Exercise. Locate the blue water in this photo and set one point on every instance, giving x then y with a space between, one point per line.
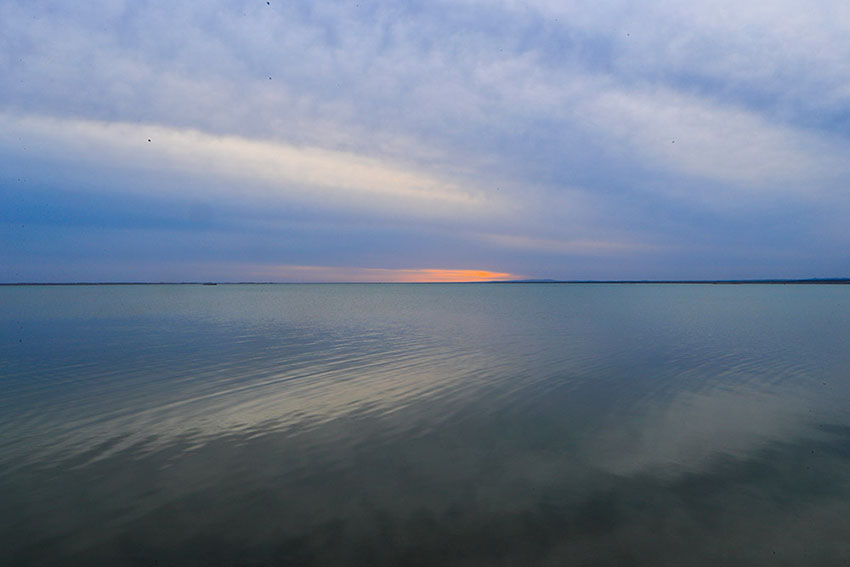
516 424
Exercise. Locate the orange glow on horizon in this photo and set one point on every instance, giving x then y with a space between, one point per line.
447 276
377 275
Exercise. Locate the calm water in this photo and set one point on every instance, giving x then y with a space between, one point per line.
425 425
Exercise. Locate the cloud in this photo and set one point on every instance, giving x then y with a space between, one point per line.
236 167
577 246
564 129
738 149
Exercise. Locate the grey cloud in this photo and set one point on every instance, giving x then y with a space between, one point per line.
560 112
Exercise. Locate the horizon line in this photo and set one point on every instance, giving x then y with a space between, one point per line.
829 280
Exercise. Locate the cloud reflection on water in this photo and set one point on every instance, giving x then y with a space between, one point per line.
435 424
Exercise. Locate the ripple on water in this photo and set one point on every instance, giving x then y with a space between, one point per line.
542 421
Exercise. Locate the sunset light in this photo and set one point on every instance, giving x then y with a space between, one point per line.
376 275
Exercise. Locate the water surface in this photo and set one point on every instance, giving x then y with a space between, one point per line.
427 424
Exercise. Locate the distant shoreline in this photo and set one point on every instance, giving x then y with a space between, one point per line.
809 281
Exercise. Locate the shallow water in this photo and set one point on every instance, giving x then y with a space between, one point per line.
521 424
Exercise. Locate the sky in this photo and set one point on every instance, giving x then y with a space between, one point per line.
423 141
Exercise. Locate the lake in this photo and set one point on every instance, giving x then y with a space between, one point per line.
425 424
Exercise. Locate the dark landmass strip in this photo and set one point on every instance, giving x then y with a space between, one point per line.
810 281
